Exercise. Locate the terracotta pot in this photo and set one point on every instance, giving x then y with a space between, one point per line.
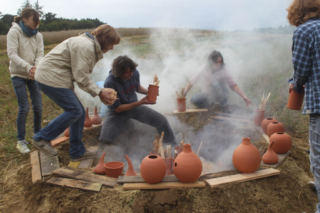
114 169
67 132
187 167
282 142
130 171
246 157
87 122
295 100
258 117
99 169
153 92
274 127
270 157
266 122
169 163
153 169
96 119
181 102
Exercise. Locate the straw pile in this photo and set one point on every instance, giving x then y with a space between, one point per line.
181 94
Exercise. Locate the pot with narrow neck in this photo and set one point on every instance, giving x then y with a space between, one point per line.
99 169
87 121
130 171
270 157
96 119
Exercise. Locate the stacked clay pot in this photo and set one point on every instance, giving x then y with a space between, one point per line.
246 157
153 169
258 117
270 157
274 127
282 142
266 122
187 166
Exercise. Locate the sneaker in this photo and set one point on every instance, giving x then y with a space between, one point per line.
86 155
44 147
22 147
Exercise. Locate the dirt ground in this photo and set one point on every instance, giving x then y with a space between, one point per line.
287 192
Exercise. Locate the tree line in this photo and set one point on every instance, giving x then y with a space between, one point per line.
48 21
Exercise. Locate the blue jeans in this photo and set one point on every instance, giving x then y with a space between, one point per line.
73 116
314 142
20 88
217 93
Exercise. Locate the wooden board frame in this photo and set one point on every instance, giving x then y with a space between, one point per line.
36 169
163 185
78 184
190 111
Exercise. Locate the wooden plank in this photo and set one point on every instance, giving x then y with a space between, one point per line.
190 111
233 115
87 163
168 185
218 174
78 184
36 170
266 137
87 176
230 119
48 164
93 127
259 129
139 179
281 157
74 164
57 141
215 182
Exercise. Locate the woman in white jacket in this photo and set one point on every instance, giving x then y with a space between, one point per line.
25 50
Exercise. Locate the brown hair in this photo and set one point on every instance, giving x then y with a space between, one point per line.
300 11
213 57
26 13
121 64
106 35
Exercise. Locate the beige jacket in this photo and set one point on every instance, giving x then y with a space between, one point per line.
71 61
24 52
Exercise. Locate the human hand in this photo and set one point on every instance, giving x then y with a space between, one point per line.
32 72
248 101
145 101
105 97
291 88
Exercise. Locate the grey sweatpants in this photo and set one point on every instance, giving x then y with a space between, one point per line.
117 122
314 142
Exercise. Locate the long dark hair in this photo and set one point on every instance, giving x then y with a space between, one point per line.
213 57
26 13
121 64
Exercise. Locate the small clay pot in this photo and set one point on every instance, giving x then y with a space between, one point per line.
99 169
270 157
246 157
266 122
169 163
153 92
87 122
258 117
282 142
181 103
274 127
96 119
130 171
67 132
187 167
153 169
295 100
114 169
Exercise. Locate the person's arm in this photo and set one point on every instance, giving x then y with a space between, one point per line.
242 95
142 90
125 107
188 87
40 49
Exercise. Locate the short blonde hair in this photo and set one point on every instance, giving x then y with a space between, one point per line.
300 11
106 35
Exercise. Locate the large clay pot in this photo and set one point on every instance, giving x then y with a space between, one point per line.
266 122
295 100
87 122
274 127
181 102
67 132
114 169
153 92
246 157
153 169
99 169
270 157
258 117
187 167
169 163
130 171
96 119
282 142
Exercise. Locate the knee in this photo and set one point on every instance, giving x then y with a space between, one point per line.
23 109
78 112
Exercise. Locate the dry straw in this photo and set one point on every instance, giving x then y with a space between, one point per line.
264 101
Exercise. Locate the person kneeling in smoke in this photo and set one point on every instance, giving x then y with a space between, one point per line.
125 80
216 79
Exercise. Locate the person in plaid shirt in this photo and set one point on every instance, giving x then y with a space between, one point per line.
305 15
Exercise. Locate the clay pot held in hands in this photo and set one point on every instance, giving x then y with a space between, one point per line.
274 127
266 122
258 117
181 103
168 162
246 157
96 119
130 171
187 167
270 157
295 100
153 92
282 142
153 169
67 132
114 169
99 169
87 122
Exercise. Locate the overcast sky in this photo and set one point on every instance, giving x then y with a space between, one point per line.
201 14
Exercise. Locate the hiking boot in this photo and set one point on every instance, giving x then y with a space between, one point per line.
22 147
44 147
86 155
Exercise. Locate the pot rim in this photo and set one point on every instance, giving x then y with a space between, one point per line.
119 165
